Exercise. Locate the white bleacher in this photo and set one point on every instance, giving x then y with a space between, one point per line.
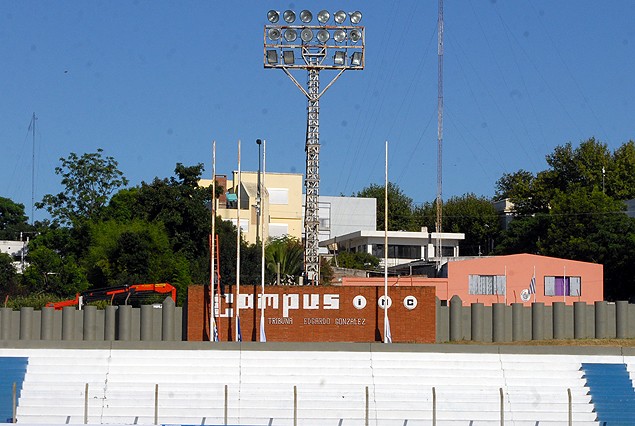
331 387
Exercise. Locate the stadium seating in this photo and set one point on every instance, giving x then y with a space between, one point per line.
186 386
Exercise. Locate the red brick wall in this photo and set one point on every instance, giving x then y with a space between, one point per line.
333 319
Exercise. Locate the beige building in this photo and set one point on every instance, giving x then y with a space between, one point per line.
281 203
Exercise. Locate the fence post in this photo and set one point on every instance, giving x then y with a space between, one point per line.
600 320
46 323
156 404
579 320
517 322
26 316
366 412
15 400
477 322
110 323
167 319
295 405
456 319
537 321
434 406
90 322
226 405
502 407
68 323
86 404
558 320
621 319
570 407
498 322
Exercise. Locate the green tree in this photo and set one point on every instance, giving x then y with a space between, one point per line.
49 273
358 260
473 216
9 282
399 206
89 181
13 220
287 252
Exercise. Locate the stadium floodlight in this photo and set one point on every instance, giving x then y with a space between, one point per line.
355 35
290 35
306 35
356 59
331 44
339 58
272 57
356 17
273 16
339 17
323 36
289 16
339 36
288 58
306 16
274 34
323 16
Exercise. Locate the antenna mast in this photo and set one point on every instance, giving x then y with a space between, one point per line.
33 169
440 130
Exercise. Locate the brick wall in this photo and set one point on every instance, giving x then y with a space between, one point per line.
318 314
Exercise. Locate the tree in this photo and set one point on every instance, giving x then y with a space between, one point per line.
399 206
13 220
473 216
9 282
49 273
358 260
287 252
89 181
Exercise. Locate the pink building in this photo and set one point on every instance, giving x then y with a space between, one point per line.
507 279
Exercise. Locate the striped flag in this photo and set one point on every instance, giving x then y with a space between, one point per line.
240 335
388 337
263 336
532 285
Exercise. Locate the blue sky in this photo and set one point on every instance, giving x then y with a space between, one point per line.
154 82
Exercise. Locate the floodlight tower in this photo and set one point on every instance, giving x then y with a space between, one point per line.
332 46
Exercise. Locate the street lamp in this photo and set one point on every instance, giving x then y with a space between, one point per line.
292 47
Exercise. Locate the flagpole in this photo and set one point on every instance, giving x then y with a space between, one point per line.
505 295
236 303
263 336
212 325
564 284
535 290
387 337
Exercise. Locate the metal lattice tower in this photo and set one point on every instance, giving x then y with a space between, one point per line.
313 48
312 182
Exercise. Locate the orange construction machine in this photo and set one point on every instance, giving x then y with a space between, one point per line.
120 295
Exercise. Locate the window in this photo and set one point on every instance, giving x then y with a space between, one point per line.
397 251
278 230
244 224
487 284
278 196
563 286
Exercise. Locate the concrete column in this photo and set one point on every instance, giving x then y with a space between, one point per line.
456 319
90 322
47 316
5 323
601 325
477 322
498 322
68 323
167 319
110 323
558 320
26 323
517 322
124 329
579 320
621 319
147 312
537 321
